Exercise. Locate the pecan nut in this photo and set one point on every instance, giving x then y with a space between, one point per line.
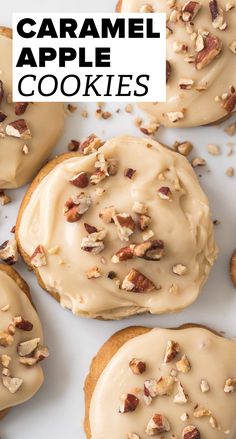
191 432
136 282
128 403
157 424
18 128
150 250
9 252
212 48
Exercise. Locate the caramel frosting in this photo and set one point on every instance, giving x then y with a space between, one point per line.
20 376
23 150
201 52
190 374
137 238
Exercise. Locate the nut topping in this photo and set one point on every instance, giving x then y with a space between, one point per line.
93 243
191 432
180 397
190 10
93 273
230 103
128 403
157 424
125 225
3 116
168 71
183 365
230 385
133 436
144 222
38 258
28 347
107 214
89 228
179 269
18 128
123 254
172 351
80 180
20 108
22 324
204 386
1 91
6 339
233 268
212 48
9 252
137 366
4 199
136 282
165 193
90 144
175 116
76 206
129 173
150 250
12 384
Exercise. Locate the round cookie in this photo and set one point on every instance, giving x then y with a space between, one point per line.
179 382
21 339
28 132
121 231
201 60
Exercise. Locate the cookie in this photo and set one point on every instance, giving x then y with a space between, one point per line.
28 132
121 231
176 382
21 339
201 60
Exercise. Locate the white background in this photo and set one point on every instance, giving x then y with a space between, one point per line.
57 410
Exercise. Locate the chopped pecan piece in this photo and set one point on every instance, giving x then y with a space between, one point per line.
179 269
38 258
20 108
73 145
90 144
89 228
190 10
183 365
27 348
80 180
39 354
144 222
5 360
76 206
125 225
4 199
137 366
107 214
9 252
233 268
93 273
93 243
212 48
11 383
230 385
3 116
123 254
139 208
230 103
162 387
165 193
129 173
172 350
180 397
204 386
201 413
22 324
136 282
1 91
18 128
157 424
168 71
191 432
128 403
150 250
6 339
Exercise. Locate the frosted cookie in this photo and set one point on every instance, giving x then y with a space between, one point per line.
121 231
201 60
28 132
21 339
173 384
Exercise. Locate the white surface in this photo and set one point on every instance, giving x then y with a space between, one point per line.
58 409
